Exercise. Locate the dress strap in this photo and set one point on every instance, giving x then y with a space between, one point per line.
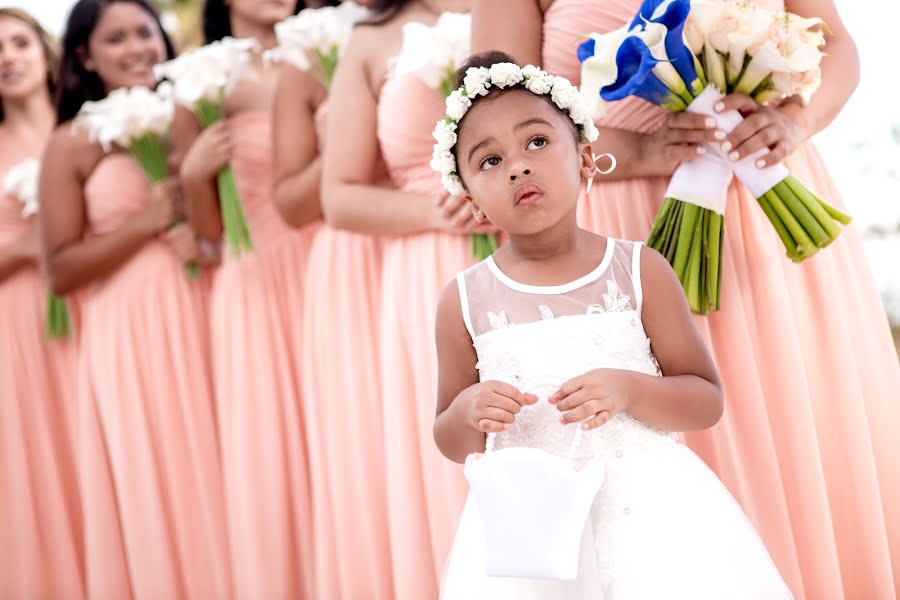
636 276
464 303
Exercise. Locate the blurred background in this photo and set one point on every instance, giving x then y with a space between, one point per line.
862 146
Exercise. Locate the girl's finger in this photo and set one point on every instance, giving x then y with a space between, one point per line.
496 414
598 420
488 426
581 412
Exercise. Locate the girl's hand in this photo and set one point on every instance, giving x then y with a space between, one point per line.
680 139
209 153
593 398
454 215
163 207
183 242
772 127
490 406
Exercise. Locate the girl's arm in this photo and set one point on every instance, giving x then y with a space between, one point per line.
74 260
350 199
18 255
200 155
689 394
466 409
297 166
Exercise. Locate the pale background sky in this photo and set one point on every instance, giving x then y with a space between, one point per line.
861 147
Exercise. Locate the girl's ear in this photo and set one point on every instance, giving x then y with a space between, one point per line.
476 210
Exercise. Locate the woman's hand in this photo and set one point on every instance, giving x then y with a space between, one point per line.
454 215
594 398
209 153
183 241
680 139
772 127
164 206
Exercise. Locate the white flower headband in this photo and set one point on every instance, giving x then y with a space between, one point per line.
476 83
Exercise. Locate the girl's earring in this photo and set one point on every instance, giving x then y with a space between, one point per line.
588 184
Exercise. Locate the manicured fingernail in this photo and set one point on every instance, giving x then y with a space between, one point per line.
721 135
726 146
701 150
720 106
733 156
710 122
562 420
760 163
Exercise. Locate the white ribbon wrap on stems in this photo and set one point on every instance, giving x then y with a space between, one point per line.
757 181
702 181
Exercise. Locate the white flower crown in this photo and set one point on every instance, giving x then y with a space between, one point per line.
477 82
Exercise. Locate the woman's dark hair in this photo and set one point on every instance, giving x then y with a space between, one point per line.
77 85
217 17
51 50
384 10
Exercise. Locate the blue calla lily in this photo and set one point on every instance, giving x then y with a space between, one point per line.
673 14
636 78
586 50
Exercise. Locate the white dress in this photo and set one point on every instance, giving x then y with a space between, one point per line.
662 524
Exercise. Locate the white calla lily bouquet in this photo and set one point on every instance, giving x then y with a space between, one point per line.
21 182
687 55
201 79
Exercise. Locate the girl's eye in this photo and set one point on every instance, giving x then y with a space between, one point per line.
536 143
489 163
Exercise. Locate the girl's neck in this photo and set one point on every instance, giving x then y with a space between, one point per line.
563 239
264 34
30 120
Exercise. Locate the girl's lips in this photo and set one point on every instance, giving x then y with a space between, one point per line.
527 193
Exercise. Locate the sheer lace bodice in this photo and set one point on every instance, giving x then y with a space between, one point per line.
538 337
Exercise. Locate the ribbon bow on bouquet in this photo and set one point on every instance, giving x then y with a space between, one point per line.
686 55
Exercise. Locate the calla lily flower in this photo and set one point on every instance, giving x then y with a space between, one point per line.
636 77
673 14
598 66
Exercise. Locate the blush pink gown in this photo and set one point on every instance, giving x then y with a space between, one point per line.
426 490
150 469
256 330
808 443
40 509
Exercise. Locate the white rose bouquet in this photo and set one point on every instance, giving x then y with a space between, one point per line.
433 53
687 55
200 81
21 182
139 121
318 33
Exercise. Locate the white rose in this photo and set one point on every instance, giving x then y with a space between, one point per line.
476 80
442 161
577 113
539 84
457 105
564 94
453 185
445 134
589 131
505 74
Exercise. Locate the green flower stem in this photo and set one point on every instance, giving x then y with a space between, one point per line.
685 241
804 245
714 244
814 206
815 231
483 245
692 285
835 213
59 323
660 222
671 235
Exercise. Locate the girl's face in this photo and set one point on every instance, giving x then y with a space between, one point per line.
520 162
262 12
23 64
124 47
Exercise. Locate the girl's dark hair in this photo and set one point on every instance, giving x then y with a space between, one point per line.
217 17
51 50
384 10
77 85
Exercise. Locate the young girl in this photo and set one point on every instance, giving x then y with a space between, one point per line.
811 393
154 522
37 378
552 336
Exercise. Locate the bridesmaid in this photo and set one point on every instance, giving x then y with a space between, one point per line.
346 449
256 311
37 414
808 443
152 494
379 122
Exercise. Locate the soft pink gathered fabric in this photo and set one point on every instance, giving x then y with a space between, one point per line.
342 408
426 490
150 470
40 510
256 329
808 444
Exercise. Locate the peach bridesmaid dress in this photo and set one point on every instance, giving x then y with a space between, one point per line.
426 490
808 443
150 469
256 315
342 409
40 509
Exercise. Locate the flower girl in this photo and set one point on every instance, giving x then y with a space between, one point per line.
551 390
